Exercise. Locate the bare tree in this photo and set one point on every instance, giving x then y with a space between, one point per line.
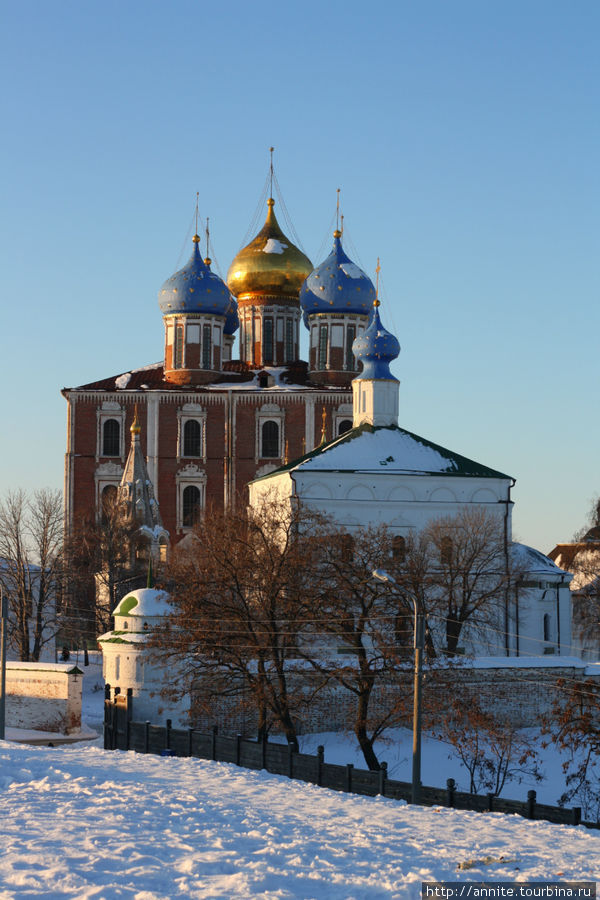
31 567
575 727
468 575
359 645
241 594
491 748
103 563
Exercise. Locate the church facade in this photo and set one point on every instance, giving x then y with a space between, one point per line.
209 424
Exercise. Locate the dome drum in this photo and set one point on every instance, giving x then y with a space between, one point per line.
269 334
194 348
331 360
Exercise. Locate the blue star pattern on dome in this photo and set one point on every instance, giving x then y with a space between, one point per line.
337 285
376 348
195 289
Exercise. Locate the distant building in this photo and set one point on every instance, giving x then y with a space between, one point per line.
582 560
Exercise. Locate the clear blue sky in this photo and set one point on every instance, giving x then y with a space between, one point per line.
465 137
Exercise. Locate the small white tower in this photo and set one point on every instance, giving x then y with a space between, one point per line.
375 390
128 662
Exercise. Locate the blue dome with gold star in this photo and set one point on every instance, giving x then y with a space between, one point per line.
338 285
376 347
195 289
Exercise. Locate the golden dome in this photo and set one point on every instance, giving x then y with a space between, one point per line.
270 264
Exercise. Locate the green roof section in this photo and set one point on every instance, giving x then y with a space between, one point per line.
125 606
387 448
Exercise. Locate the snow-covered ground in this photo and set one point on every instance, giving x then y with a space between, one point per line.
85 823
81 822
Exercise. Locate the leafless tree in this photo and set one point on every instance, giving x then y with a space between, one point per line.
31 567
242 592
468 575
361 642
103 563
575 727
490 747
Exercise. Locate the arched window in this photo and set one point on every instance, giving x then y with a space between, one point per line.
192 434
270 440
398 548
191 506
344 426
111 445
268 341
446 550
108 500
347 547
547 631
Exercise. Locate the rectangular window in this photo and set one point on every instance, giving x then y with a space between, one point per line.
322 358
206 347
289 340
247 343
178 355
268 341
350 336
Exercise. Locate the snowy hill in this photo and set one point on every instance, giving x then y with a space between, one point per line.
84 823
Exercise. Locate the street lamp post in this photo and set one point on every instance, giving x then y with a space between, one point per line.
418 644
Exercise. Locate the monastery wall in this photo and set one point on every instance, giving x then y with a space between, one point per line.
522 693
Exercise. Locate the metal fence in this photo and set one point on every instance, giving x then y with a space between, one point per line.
122 733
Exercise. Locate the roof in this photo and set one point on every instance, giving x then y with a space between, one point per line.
535 562
144 602
386 450
235 375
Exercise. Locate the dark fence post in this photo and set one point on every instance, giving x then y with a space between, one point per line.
382 778
531 795
238 749
107 720
168 735
290 760
450 789
320 761
349 768
128 712
264 751
490 799
576 813
214 743
190 738
147 736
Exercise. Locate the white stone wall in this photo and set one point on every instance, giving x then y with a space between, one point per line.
44 697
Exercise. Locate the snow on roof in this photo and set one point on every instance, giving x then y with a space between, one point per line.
387 449
144 602
274 246
66 668
534 561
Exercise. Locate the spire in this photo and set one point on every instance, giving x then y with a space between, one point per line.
324 426
135 493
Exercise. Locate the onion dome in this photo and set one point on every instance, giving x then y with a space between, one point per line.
338 285
270 265
194 289
376 348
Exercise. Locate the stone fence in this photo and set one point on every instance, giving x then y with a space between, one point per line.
44 697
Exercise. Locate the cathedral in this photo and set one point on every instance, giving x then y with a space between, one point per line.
207 424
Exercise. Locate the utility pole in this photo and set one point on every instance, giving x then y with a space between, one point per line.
419 644
3 630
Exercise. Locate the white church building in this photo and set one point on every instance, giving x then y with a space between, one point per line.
379 474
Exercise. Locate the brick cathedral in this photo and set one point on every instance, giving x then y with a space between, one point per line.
207 423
